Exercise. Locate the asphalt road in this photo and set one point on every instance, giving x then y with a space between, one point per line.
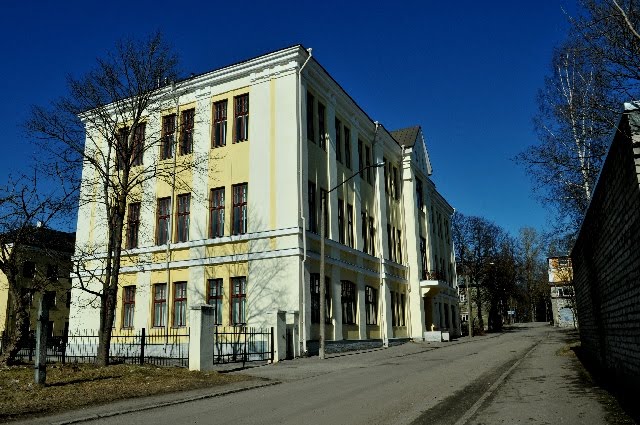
515 377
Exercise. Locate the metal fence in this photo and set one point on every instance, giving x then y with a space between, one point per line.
163 347
242 344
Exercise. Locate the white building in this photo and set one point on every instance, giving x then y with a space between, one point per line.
244 237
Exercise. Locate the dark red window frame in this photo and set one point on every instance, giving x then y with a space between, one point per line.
219 123
163 220
133 225
241 116
216 212
186 134
182 217
240 194
168 136
128 306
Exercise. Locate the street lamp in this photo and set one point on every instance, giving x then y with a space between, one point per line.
321 352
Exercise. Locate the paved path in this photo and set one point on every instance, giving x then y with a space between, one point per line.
515 377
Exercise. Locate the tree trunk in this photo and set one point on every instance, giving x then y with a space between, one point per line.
20 307
110 285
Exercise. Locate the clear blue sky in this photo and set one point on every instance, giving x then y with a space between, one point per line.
466 71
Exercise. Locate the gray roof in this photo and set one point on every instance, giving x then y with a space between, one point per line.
406 136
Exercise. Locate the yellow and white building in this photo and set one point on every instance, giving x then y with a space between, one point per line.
275 131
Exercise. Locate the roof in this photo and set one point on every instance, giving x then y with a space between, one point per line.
406 136
42 237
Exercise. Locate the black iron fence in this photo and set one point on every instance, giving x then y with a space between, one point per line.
163 347
242 344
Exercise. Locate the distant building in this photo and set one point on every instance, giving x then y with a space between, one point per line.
245 236
562 295
45 266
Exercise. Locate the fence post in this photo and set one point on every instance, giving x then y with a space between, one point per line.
202 327
272 345
41 342
142 346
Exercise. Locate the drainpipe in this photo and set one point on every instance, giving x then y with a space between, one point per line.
176 135
303 328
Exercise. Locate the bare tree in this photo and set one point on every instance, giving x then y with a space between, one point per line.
25 212
610 29
574 122
475 242
104 124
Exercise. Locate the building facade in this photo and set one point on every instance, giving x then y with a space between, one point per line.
273 134
44 271
563 306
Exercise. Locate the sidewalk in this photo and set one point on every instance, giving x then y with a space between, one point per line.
548 386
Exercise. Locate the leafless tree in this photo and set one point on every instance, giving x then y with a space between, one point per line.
103 127
576 115
26 209
533 273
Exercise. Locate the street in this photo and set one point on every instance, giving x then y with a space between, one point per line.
513 377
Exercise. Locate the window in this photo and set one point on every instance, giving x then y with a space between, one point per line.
340 221
350 225
322 140
395 183
238 300
419 197
168 136
390 243
164 216
28 269
50 298
214 298
241 118
363 227
216 213
347 147
367 159
137 149
239 209
128 306
186 135
315 298
52 272
313 213
338 126
122 140
219 124
180 304
360 158
423 257
371 305
399 245
348 300
372 237
133 225
182 230
397 309
310 127
159 304
386 175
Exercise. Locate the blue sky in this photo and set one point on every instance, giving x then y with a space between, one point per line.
466 71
